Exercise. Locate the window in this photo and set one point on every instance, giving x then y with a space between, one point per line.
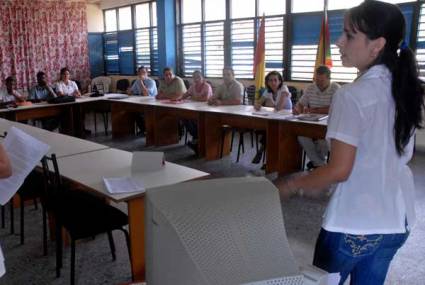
146 44
301 6
125 22
242 45
208 46
142 16
274 44
271 7
127 44
420 51
342 4
110 20
191 11
214 49
215 10
243 9
192 49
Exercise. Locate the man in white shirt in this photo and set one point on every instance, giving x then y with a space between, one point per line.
9 93
316 99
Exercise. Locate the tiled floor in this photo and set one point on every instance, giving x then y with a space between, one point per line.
302 216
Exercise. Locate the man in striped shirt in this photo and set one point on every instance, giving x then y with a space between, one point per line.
317 99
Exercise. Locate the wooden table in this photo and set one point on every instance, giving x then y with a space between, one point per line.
87 169
291 151
161 120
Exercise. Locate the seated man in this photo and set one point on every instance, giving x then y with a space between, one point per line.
143 86
199 91
42 92
316 99
172 87
10 93
230 92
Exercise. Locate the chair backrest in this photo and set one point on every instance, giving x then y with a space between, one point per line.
122 85
102 83
294 94
221 231
186 83
249 95
52 180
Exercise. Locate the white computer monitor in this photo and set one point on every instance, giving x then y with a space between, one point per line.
218 231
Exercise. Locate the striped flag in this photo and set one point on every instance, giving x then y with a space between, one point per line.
323 56
259 61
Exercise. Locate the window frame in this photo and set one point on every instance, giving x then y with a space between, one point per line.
153 63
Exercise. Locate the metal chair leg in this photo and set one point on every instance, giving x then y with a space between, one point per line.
3 217
22 220
44 231
111 245
58 249
12 218
72 261
95 125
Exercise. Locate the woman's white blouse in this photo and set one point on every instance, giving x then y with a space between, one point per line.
66 89
378 196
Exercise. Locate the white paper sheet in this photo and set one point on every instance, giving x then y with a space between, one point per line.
127 184
24 152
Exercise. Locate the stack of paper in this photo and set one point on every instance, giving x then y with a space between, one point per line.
127 184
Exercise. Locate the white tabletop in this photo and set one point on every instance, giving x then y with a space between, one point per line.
89 169
61 145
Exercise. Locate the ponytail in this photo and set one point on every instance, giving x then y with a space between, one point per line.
408 95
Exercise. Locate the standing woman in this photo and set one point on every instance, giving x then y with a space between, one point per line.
371 130
65 86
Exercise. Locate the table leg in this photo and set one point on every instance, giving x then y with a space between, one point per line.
272 146
213 137
122 121
136 221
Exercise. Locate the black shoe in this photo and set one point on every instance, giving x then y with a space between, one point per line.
193 146
258 156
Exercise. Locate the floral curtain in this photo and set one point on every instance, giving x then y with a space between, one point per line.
38 35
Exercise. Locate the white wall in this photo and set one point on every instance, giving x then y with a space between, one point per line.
107 4
94 18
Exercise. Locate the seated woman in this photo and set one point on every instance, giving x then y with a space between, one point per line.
277 96
9 93
199 91
65 86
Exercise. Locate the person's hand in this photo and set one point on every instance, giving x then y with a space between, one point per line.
295 111
286 189
257 107
211 101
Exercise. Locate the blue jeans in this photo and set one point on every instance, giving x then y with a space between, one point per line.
365 258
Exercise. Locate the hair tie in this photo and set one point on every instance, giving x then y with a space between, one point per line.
403 45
